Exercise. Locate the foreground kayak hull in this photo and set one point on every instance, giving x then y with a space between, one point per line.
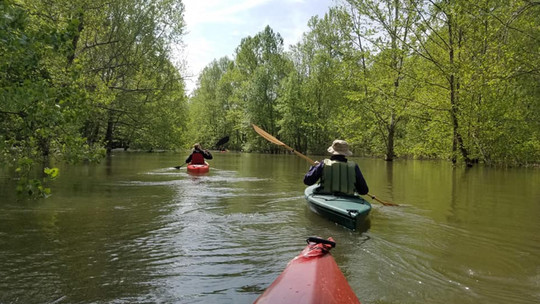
198 169
312 277
348 211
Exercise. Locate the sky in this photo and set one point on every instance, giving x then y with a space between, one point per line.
216 27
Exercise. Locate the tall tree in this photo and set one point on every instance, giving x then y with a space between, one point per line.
79 73
209 105
380 34
471 56
501 124
261 63
314 91
127 43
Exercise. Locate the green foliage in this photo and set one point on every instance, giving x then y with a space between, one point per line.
33 187
232 95
209 119
456 80
261 67
79 77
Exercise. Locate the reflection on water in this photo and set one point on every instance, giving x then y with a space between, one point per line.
136 230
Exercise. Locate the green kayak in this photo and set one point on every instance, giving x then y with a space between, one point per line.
348 211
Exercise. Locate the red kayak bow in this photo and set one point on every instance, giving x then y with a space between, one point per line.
311 277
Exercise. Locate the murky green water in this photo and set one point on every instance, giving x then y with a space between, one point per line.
135 230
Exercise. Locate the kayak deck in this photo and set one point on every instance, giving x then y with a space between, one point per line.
348 211
311 277
198 168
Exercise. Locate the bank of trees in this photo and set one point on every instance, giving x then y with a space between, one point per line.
451 79
79 78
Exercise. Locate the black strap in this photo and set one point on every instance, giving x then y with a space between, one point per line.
318 240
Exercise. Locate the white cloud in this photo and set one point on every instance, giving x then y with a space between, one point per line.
216 27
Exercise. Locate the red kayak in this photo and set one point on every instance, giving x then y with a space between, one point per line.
312 277
199 168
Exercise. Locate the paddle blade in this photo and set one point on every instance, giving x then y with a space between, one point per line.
267 136
382 202
223 141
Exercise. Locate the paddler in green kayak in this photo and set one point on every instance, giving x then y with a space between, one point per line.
337 174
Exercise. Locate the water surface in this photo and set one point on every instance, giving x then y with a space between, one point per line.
135 230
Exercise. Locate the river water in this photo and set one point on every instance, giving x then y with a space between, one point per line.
133 229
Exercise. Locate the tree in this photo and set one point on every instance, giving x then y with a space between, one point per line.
314 94
472 56
210 103
380 36
77 74
261 65
125 50
38 96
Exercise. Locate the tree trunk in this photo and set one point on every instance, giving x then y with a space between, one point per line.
390 142
75 39
44 144
454 107
109 134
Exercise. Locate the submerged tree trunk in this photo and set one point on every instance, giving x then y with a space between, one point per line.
454 107
44 144
109 134
390 142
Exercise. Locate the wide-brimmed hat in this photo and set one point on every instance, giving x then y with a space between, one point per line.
340 147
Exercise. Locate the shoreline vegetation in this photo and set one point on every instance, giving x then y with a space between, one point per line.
322 156
448 80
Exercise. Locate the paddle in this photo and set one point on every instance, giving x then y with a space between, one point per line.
178 167
223 141
276 141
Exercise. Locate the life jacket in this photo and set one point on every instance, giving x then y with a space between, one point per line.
197 158
338 177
